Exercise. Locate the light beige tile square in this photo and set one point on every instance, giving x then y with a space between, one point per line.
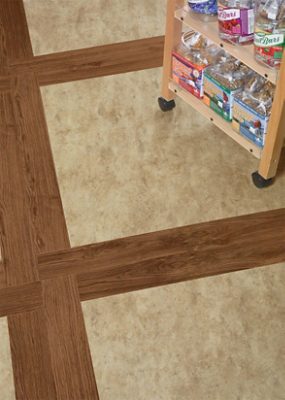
220 338
73 24
7 391
126 168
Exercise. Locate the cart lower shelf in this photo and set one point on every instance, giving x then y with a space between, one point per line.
215 118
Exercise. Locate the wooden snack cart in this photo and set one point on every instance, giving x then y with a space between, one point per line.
177 15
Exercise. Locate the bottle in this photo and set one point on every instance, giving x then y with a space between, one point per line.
203 7
236 20
269 37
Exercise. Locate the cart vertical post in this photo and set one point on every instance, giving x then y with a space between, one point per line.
172 38
275 136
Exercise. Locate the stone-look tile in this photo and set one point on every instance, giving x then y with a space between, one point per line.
7 391
72 24
220 338
126 168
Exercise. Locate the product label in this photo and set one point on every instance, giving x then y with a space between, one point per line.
249 123
263 39
218 97
269 46
187 75
228 14
235 21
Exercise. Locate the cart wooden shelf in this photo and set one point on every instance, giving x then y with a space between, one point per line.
215 118
177 15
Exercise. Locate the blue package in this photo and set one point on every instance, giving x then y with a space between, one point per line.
208 7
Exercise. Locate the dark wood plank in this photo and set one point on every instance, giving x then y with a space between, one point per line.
47 217
33 375
27 330
114 253
19 299
48 225
27 335
68 333
167 270
15 40
95 62
3 282
171 256
16 240
5 82
38 220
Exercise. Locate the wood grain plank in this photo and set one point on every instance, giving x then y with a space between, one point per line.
3 282
19 299
173 269
16 241
27 330
171 256
33 375
119 252
258 238
39 221
94 62
20 264
48 224
15 40
47 217
5 82
69 329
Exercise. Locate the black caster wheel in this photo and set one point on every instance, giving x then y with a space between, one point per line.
166 105
260 182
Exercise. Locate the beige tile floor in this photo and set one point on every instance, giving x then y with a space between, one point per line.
73 24
219 338
126 168
6 375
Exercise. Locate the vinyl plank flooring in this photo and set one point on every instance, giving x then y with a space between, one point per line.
48 217
71 360
19 299
3 282
51 341
161 258
33 221
15 32
16 239
232 241
30 349
94 62
50 231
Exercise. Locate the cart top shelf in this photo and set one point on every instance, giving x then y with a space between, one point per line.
243 53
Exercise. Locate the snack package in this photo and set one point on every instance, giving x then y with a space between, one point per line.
269 37
222 82
207 7
236 20
190 59
252 108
